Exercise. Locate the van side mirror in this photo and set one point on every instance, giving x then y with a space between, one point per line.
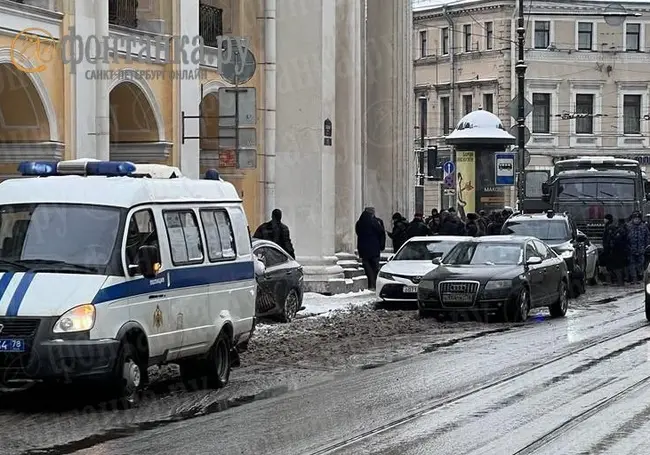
546 198
581 238
148 260
545 188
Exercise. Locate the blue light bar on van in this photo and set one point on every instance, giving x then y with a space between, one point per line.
105 168
37 168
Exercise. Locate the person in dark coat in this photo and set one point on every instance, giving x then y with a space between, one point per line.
371 238
276 232
619 244
473 226
433 221
452 225
398 236
638 239
604 259
417 227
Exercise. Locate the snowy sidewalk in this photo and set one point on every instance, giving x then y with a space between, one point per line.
318 304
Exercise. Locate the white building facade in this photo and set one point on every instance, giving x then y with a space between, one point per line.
586 81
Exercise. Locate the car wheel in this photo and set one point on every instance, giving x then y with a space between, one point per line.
290 306
128 377
520 307
561 306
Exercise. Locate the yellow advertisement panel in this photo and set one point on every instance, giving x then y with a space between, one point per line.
466 178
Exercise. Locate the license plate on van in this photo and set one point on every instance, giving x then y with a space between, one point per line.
410 289
12 345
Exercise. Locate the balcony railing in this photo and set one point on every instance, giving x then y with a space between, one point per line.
123 12
210 24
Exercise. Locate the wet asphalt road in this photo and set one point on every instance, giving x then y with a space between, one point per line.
578 385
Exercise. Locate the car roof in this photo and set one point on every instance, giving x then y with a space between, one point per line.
501 239
257 243
437 238
538 216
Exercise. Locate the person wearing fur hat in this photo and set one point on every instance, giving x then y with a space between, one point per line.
473 226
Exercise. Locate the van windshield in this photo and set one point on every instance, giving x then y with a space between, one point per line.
58 237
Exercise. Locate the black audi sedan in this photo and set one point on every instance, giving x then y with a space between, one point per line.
497 275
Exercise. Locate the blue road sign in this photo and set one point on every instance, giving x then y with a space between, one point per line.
504 169
449 181
448 167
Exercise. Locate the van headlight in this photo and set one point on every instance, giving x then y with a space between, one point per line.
78 319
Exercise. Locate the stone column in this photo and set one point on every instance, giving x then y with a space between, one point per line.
390 157
188 89
349 119
305 167
84 89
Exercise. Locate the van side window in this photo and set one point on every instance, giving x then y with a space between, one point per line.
184 238
141 231
219 235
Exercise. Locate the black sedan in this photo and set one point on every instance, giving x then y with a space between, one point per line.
279 285
496 275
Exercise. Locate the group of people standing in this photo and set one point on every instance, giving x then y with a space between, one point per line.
624 249
371 232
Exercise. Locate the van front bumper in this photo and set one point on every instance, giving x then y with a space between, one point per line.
50 356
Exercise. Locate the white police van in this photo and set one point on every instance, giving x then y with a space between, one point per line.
105 270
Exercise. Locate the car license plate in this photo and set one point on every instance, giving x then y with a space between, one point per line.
458 298
410 289
12 345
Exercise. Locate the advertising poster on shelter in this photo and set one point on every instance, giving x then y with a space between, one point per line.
466 181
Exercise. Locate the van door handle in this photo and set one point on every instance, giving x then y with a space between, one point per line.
157 296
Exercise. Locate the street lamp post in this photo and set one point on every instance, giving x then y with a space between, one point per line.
520 70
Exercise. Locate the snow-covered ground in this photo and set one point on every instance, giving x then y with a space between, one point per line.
318 304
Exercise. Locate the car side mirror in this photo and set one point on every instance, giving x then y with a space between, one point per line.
436 261
148 261
534 260
581 238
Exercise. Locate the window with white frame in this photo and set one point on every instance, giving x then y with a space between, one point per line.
489 35
632 114
585 36
488 102
542 113
467 34
467 104
542 34
632 37
445 116
444 39
423 44
584 113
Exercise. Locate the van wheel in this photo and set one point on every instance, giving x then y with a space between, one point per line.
290 306
212 371
128 377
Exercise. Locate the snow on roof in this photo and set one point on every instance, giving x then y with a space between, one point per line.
122 192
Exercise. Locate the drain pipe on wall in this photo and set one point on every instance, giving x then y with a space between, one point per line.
452 65
270 95
102 85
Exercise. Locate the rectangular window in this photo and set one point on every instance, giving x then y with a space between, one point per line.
489 35
423 116
423 44
631 114
444 115
184 238
142 231
467 104
467 33
584 111
444 37
632 37
488 102
541 113
218 235
542 34
585 36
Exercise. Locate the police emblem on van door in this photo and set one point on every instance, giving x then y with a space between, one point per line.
157 318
